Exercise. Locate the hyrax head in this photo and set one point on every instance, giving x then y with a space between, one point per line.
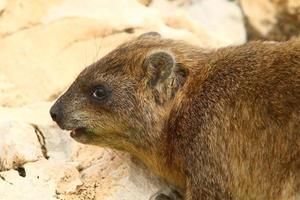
117 99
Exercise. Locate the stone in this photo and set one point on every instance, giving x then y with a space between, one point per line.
145 2
18 145
271 20
44 180
193 16
18 15
72 47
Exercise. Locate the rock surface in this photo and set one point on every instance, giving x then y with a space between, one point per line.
272 19
224 22
44 45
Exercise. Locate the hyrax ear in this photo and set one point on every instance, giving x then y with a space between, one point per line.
150 34
160 66
165 74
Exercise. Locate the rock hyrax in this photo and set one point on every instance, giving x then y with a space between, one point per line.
223 124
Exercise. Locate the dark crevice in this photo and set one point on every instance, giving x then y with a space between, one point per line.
1 12
129 30
41 138
1 177
23 28
21 171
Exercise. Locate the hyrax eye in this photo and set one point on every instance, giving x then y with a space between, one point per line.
99 93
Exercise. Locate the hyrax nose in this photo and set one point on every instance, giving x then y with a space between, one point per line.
55 113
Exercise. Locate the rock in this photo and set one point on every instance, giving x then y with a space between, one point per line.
272 20
193 16
145 2
44 180
115 176
130 13
225 20
29 134
22 14
9 92
2 5
70 46
18 145
34 123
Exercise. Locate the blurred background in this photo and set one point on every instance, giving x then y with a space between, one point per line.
44 44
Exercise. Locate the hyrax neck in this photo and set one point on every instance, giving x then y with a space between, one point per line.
161 164
154 154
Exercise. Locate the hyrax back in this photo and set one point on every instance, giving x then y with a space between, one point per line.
240 123
223 124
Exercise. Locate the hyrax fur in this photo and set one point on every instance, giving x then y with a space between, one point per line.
223 124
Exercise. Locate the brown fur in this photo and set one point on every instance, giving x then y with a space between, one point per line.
225 124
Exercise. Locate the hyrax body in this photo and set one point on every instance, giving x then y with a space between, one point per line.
223 124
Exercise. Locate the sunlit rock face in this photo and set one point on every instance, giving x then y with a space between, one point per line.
272 20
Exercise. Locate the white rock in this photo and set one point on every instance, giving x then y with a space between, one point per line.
21 122
18 15
130 13
220 25
262 14
221 18
2 4
272 20
18 145
43 180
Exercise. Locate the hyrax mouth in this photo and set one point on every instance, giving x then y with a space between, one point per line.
77 132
